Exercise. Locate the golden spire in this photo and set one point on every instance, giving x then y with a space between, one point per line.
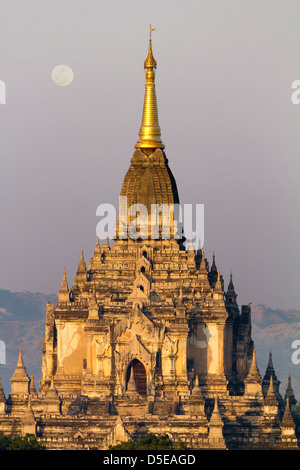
149 135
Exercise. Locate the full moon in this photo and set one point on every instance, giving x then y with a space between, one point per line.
62 75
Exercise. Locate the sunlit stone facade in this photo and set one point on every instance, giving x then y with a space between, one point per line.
148 339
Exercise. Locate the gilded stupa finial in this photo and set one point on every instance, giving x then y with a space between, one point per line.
150 135
150 61
150 31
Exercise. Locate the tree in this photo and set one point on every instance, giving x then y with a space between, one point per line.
150 442
4 441
28 442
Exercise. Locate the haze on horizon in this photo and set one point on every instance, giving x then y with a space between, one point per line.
223 83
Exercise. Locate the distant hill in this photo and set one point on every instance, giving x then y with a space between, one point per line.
264 316
275 330
22 324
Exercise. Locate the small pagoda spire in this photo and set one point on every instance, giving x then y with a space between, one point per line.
289 395
254 370
95 261
270 362
51 400
271 393
218 286
230 302
150 134
20 363
82 265
106 246
287 418
191 253
213 273
216 417
52 389
271 407
20 370
51 394
20 380
97 251
270 372
64 284
203 267
253 380
28 422
289 387
81 274
213 268
196 401
203 275
288 437
120 432
196 388
63 293
131 385
230 285
32 389
191 245
216 438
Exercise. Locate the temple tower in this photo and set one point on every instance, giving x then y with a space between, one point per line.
147 333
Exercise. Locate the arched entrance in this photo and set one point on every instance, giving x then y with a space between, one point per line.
139 375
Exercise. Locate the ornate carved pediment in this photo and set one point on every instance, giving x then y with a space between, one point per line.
138 324
79 435
143 263
136 350
140 288
145 251
142 282
137 337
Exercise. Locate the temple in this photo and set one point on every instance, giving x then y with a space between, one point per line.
148 339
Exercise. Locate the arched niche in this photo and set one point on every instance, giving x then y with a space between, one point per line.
139 375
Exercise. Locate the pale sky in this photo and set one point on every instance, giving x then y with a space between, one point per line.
224 77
